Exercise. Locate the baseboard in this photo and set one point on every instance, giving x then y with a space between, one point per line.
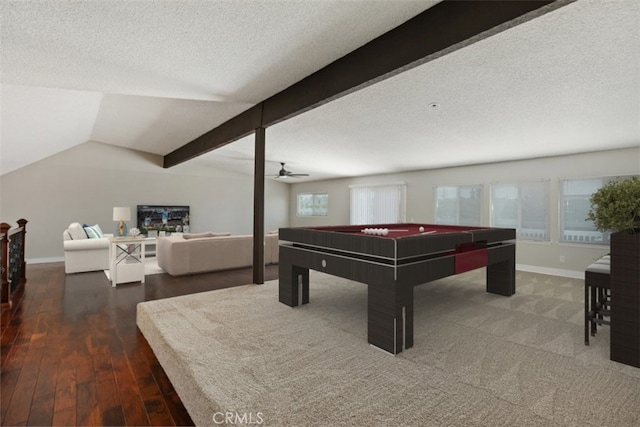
551 271
44 260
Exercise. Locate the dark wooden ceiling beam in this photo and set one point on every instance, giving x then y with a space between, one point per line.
441 29
239 126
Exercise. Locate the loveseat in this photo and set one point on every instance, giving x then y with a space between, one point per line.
85 248
199 253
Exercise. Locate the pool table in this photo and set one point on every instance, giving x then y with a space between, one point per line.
391 259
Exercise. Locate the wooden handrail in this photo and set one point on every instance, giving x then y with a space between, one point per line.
13 266
23 224
4 242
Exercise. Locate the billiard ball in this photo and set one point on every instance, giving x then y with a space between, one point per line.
421 229
385 231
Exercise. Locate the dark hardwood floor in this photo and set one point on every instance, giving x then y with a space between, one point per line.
73 355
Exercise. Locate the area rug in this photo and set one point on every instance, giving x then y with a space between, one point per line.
478 359
150 267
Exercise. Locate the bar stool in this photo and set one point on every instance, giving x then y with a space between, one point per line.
597 296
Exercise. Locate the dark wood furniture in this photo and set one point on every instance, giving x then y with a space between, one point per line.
625 297
597 296
392 265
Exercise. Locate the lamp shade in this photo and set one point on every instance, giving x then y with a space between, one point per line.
122 214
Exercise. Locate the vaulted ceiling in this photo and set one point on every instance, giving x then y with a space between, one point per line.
153 76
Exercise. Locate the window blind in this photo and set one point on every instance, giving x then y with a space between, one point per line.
458 205
523 206
377 204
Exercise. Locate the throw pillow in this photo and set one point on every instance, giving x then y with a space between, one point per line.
77 232
93 232
98 230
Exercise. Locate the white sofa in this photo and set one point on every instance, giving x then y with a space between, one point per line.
190 254
82 253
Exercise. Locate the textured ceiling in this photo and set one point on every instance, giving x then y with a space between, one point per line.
153 76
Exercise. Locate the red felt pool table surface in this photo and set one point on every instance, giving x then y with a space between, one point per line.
396 231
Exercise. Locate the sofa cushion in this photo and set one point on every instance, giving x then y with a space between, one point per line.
221 253
77 231
188 236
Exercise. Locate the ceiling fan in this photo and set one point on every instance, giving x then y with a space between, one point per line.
283 173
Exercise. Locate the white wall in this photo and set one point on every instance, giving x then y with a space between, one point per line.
542 257
84 183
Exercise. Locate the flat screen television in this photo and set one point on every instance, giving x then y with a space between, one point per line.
153 219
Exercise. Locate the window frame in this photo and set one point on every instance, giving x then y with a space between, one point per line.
314 204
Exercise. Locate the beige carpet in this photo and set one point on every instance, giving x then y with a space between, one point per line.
478 359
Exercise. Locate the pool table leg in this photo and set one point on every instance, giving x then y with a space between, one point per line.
501 271
293 284
390 317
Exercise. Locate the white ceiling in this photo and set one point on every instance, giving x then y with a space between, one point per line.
153 76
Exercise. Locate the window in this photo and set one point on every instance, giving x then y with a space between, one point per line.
523 206
313 204
575 204
377 204
458 205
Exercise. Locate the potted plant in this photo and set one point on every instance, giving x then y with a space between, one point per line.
615 207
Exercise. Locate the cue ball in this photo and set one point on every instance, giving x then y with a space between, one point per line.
385 231
421 229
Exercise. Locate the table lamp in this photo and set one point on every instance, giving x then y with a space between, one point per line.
122 214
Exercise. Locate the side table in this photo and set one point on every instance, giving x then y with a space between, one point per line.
126 255
150 246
